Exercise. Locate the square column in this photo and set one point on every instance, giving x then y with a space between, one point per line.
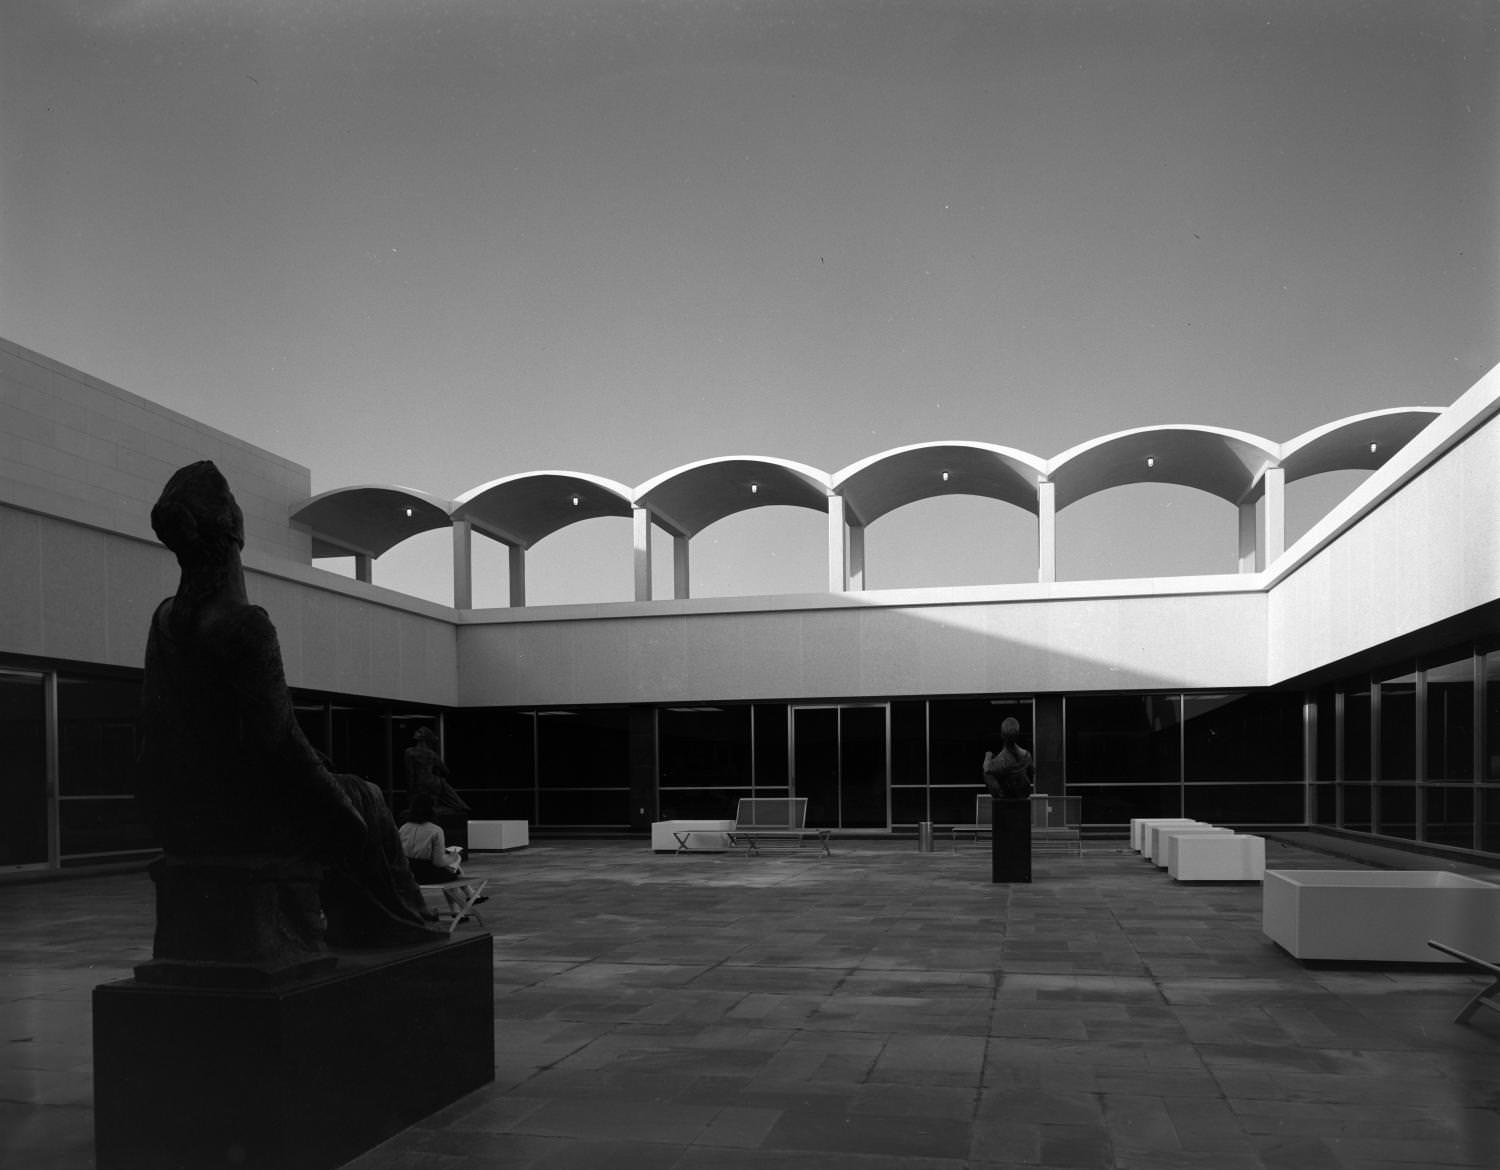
1046 530
463 565
838 573
680 566
854 554
641 523
517 574
1249 537
1275 517
363 564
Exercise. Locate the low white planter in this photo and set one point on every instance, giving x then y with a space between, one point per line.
1168 837
1379 915
1218 857
700 836
497 836
1153 841
1138 826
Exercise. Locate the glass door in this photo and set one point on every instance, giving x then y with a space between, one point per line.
25 829
840 761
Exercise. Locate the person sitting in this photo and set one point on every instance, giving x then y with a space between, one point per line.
433 862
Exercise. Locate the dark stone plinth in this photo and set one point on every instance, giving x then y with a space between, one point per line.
302 1076
1010 860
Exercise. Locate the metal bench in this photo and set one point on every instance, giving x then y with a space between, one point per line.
1485 998
984 821
758 819
1054 824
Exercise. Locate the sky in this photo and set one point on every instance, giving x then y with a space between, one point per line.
436 242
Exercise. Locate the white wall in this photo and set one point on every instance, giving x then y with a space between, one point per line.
73 446
1417 543
840 650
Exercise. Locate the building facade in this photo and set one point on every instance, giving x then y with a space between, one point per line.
1350 679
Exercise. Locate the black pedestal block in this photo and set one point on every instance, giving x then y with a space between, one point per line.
303 1076
1010 860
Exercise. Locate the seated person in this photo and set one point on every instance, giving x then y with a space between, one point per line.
431 860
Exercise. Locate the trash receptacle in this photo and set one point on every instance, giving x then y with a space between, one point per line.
924 837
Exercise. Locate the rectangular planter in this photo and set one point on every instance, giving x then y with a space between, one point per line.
1218 857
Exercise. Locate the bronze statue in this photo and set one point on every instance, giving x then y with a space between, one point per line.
257 831
427 775
1009 773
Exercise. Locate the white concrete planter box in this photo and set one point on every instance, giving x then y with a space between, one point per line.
1378 915
1168 836
492 836
1138 826
1152 841
702 836
1217 857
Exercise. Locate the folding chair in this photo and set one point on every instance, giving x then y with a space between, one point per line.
460 904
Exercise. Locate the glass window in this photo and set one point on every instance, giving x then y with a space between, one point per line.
771 760
360 744
1492 716
1245 804
1398 727
1489 825
1123 739
585 747
1356 736
1396 806
1450 720
1356 806
1116 804
1243 737
486 749
580 808
909 743
101 825
1326 760
701 804
704 747
96 735
1450 816
908 805
954 805
962 730
1325 804
23 750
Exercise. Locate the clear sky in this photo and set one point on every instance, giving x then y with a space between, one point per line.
434 243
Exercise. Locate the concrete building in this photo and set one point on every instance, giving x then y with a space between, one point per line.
1347 679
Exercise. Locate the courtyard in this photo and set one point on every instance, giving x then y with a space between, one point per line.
882 1008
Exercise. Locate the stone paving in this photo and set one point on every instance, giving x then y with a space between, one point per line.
880 1009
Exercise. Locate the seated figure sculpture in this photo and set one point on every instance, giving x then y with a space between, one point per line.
266 850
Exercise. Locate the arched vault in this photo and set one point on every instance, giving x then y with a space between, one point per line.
369 520
1224 463
689 498
521 509
1361 442
887 481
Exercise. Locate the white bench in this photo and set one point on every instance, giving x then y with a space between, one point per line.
498 836
1139 825
690 836
1167 839
1378 915
1217 857
1152 840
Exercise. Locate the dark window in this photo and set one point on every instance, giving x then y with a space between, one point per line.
770 746
1245 804
487 749
954 806
1327 738
909 743
1492 716
962 730
908 805
704 747
1243 737
701 804
96 735
1398 728
1356 802
101 825
1396 805
1356 733
1325 806
1450 720
23 748
1450 816
1123 739
1489 826
586 747
1117 804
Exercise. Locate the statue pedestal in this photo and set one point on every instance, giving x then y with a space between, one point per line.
296 1076
1010 860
